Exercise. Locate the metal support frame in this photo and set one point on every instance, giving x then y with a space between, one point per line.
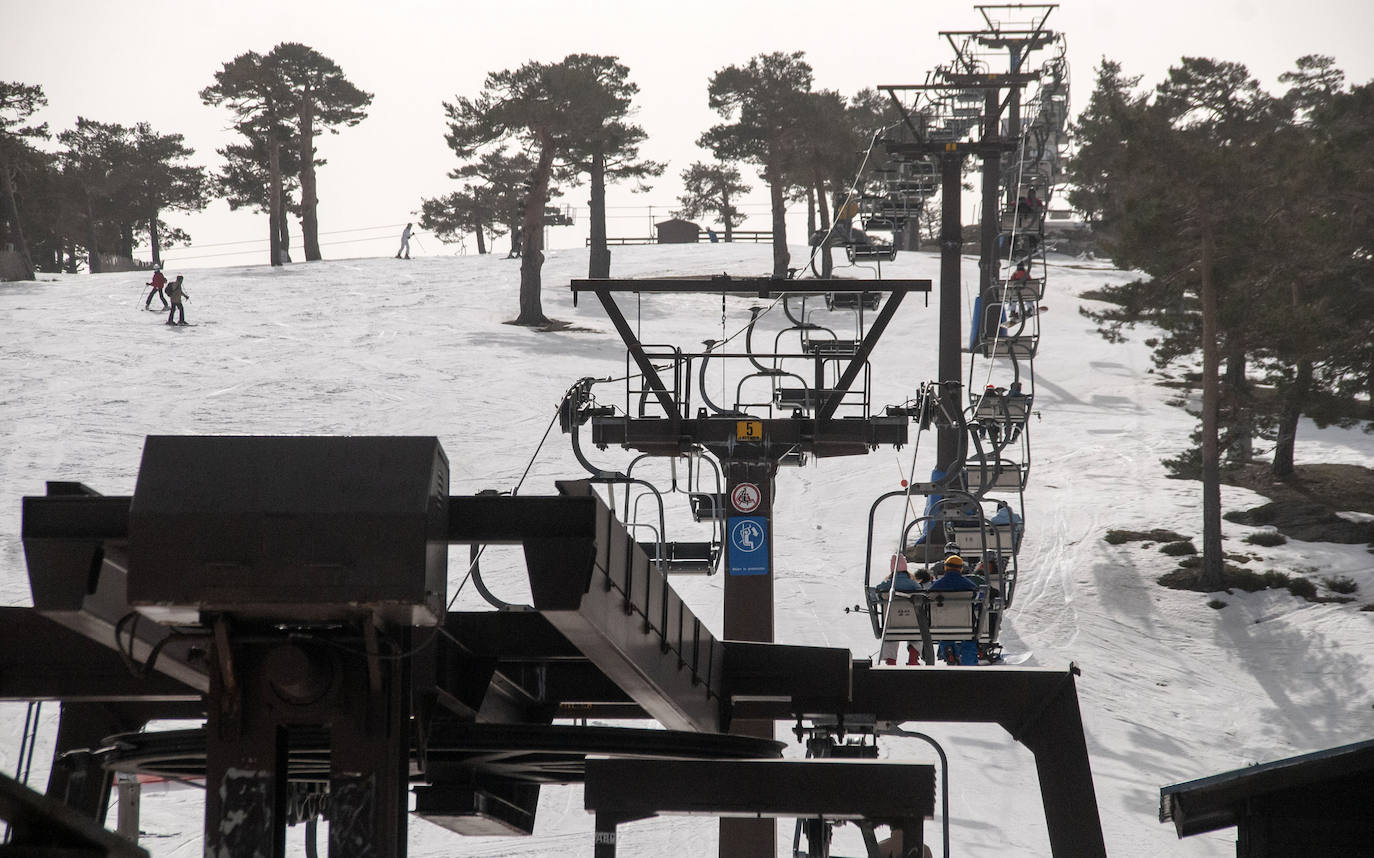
898 795
43 826
1039 708
280 686
604 612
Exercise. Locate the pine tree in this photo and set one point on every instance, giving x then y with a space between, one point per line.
611 155
92 161
711 190
18 102
245 181
260 99
500 186
163 180
550 110
1176 188
764 103
451 216
610 151
320 96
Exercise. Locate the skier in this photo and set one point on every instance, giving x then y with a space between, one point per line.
405 243
158 281
1020 273
176 293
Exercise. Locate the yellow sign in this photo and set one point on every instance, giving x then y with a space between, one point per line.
749 430
951 147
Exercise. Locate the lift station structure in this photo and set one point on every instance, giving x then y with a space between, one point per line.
292 593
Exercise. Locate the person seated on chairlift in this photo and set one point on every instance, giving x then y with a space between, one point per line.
1020 273
986 568
1028 208
963 652
952 579
900 578
846 209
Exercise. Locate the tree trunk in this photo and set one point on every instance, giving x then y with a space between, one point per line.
1240 419
481 241
11 213
827 252
93 263
1289 415
599 259
154 240
775 195
1210 577
532 240
310 227
126 240
284 226
274 212
727 215
811 210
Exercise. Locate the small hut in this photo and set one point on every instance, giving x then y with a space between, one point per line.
677 231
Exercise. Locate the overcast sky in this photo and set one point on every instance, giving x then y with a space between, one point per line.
126 62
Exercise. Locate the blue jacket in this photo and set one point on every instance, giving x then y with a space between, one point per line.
952 580
904 584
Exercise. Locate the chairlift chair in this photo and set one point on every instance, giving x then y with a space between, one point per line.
1027 291
992 474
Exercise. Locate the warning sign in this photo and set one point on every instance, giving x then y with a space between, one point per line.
746 497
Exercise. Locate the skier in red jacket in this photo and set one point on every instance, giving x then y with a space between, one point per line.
159 280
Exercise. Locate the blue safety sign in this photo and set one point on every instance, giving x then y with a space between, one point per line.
748 550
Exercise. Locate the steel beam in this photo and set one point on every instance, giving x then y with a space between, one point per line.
1039 708
41 659
759 287
42 826
600 591
821 438
834 789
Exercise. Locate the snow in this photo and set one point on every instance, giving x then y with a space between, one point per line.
1171 689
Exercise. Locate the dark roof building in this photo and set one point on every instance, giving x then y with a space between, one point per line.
1318 805
677 231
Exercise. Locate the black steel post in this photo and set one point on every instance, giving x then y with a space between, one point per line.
606 824
951 328
749 611
1014 122
992 176
369 762
245 763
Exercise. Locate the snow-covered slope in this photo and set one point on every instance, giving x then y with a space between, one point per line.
1171 689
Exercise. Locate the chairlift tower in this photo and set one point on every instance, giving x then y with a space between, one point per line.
951 155
1019 38
750 447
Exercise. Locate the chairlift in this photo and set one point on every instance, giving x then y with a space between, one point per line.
951 514
992 474
697 557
